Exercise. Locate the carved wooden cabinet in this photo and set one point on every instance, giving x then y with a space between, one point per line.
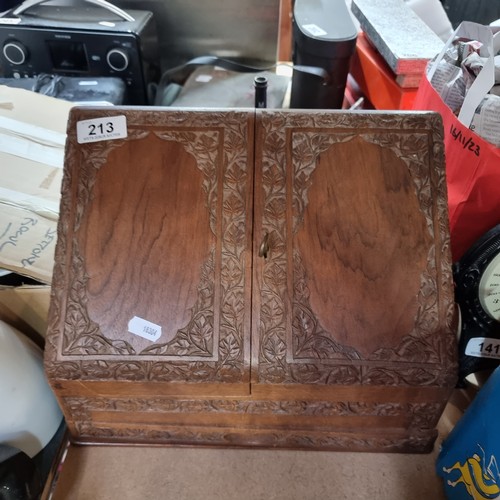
292 269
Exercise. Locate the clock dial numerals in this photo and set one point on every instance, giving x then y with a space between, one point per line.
489 289
477 279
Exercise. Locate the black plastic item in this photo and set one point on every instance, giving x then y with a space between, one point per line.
260 85
172 86
98 90
8 4
324 35
19 477
479 11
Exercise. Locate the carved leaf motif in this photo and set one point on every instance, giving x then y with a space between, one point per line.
230 348
402 376
233 205
219 139
63 371
181 346
275 209
130 371
98 369
307 145
411 349
425 415
96 344
276 274
272 176
272 356
274 348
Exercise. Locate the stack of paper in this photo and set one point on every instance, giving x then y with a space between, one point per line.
32 138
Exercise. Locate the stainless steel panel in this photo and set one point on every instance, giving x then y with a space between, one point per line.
246 30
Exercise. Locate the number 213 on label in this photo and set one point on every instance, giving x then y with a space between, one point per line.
101 129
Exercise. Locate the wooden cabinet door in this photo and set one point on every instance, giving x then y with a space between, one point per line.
355 287
155 231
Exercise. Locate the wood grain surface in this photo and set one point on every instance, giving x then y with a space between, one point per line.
340 335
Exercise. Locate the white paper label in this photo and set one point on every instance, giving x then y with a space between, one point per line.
144 329
314 29
101 129
84 83
483 347
10 20
204 78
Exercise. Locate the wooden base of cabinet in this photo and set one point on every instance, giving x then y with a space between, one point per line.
373 441
382 419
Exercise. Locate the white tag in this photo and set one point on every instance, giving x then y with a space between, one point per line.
314 29
101 129
10 20
482 347
203 78
144 329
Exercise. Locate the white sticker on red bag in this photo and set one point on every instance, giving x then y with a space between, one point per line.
101 129
483 347
144 329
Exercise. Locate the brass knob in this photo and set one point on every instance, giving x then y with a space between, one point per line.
264 246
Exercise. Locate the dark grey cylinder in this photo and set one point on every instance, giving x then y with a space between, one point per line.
324 36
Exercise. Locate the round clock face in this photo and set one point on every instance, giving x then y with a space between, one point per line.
489 289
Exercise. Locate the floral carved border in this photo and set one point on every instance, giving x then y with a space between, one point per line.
76 346
312 356
85 414
421 415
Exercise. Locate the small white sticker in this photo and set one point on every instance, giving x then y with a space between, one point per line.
204 78
483 347
314 30
144 329
101 129
10 20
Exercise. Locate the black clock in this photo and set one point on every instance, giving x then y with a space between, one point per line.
477 292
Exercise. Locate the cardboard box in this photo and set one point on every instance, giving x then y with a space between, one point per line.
32 138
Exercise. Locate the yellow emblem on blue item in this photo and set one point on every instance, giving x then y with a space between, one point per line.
467 460
480 480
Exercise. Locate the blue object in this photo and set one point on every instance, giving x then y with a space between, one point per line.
468 459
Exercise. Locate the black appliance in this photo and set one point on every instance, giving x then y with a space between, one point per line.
84 39
324 36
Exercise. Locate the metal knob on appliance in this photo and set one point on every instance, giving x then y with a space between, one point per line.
15 52
117 59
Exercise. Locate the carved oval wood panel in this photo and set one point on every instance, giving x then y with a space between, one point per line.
364 245
155 226
357 286
155 233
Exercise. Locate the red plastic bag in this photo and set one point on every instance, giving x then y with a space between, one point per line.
472 164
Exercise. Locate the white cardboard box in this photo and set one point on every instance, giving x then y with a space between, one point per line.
32 138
